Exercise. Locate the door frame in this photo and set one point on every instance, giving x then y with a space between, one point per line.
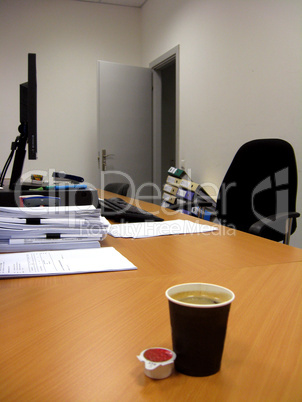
157 65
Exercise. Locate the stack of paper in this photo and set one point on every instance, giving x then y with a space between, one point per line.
50 228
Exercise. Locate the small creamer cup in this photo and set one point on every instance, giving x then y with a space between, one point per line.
159 362
198 330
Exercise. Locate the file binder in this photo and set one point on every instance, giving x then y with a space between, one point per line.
187 195
169 198
182 194
173 181
176 172
170 189
189 185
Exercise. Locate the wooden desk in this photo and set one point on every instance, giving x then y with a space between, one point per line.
75 338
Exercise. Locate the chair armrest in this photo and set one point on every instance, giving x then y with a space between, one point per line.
258 226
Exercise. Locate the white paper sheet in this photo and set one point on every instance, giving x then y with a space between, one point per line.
151 229
50 212
47 245
16 265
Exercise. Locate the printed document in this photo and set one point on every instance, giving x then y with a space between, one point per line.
138 230
62 262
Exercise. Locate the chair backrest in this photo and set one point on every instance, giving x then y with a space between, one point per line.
118 188
261 181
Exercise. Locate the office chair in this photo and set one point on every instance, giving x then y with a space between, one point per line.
118 188
258 193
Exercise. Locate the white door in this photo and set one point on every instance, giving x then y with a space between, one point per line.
125 126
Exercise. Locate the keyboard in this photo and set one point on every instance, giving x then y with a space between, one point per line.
119 210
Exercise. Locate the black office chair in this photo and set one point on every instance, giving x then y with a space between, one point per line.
258 193
118 188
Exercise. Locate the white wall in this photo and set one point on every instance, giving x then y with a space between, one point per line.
240 76
68 37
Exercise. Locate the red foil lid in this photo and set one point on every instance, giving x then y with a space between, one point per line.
158 354
154 357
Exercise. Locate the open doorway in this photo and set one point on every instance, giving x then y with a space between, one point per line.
165 114
168 140
124 93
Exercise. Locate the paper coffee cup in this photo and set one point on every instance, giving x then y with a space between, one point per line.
198 315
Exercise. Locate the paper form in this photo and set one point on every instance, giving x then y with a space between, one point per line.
62 262
138 230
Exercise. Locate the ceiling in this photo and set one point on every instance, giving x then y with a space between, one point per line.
127 3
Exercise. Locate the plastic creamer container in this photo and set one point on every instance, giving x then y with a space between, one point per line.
159 362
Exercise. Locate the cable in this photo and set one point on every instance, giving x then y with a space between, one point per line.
14 146
7 163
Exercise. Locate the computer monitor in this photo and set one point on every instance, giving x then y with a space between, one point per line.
28 107
27 128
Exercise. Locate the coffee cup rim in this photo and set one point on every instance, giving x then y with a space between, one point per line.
170 298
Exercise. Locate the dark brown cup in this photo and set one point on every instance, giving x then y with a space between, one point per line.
198 330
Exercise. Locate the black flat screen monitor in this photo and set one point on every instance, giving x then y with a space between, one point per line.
28 107
27 127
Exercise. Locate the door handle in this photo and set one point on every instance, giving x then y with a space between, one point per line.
104 158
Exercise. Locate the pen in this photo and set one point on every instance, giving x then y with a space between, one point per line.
65 186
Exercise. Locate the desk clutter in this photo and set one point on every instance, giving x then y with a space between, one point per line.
182 194
59 189
51 228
